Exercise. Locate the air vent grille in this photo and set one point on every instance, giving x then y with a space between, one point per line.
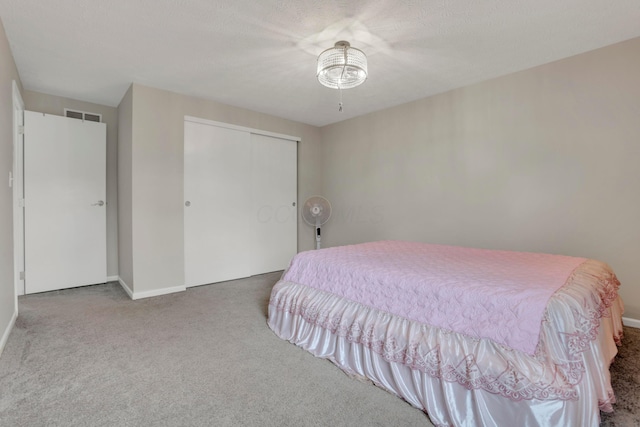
74 114
83 115
92 117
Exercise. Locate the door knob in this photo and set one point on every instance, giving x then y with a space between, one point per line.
100 203
187 203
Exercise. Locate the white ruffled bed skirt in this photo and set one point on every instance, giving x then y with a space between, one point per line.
462 381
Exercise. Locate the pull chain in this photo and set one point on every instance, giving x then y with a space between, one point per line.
343 75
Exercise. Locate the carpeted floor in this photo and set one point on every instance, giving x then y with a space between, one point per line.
91 357
625 376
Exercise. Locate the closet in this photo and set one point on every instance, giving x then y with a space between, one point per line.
240 201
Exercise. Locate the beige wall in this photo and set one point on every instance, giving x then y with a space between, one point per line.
8 73
51 104
541 160
157 177
125 199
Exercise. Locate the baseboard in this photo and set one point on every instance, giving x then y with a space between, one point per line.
632 323
147 294
126 288
112 278
7 331
158 292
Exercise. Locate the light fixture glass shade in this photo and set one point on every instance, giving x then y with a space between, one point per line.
342 66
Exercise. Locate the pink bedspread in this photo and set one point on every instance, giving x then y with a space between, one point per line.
499 295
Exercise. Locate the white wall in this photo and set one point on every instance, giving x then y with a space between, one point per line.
541 160
51 104
157 177
8 73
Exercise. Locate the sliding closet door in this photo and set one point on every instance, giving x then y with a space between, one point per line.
217 212
240 214
274 176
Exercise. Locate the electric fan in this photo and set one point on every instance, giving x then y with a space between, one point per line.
316 212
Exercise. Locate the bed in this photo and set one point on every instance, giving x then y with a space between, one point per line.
469 336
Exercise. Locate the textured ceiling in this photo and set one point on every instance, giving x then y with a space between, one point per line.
261 54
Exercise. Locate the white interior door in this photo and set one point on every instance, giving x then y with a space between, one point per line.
18 191
217 213
65 213
275 214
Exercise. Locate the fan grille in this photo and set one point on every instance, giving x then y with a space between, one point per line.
316 211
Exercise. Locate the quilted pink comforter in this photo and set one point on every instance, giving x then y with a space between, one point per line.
499 295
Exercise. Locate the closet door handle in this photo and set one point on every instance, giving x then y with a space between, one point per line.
187 203
99 203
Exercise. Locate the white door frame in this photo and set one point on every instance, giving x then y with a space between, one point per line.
241 128
18 184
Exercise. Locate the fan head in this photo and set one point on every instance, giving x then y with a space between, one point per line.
316 211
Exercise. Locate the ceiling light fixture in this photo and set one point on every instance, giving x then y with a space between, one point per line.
342 67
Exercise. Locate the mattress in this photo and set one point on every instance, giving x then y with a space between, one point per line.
558 374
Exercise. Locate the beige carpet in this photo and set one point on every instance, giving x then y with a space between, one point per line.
205 357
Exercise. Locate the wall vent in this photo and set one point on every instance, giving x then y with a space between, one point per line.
83 115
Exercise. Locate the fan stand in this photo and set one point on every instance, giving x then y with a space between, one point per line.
318 235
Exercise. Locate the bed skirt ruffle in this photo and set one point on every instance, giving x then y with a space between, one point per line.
462 381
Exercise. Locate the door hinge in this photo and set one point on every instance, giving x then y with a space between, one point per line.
20 129
21 203
22 275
